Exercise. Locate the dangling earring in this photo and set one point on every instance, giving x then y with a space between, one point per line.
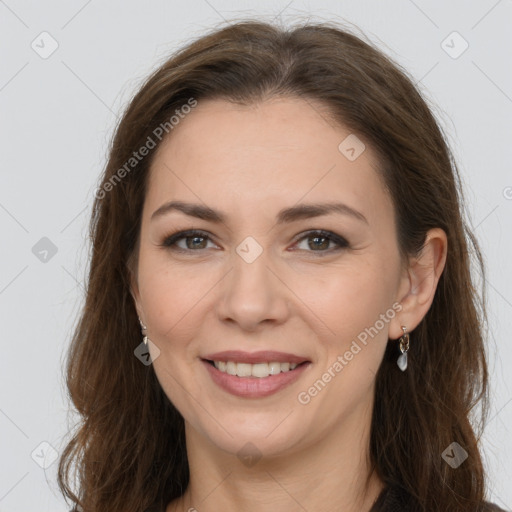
404 347
144 332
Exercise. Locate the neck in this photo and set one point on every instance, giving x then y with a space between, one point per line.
330 474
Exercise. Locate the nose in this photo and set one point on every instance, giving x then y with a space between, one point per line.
253 295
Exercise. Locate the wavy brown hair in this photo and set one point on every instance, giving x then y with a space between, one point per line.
127 454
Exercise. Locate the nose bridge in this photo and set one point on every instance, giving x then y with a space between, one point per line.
251 293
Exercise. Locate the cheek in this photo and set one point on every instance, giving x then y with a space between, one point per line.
348 298
356 305
169 299
172 301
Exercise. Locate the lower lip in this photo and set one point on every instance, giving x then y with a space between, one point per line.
254 387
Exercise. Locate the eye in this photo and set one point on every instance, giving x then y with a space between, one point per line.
194 240
320 241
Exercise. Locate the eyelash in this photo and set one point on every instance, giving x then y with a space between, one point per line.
170 241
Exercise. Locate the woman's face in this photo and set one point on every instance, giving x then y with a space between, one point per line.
259 282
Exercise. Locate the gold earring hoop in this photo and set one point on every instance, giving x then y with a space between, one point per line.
144 332
404 347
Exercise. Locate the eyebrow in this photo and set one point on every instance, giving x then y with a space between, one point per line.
294 213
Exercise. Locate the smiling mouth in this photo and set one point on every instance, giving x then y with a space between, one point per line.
258 370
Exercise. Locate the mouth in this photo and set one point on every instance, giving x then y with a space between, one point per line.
258 370
254 375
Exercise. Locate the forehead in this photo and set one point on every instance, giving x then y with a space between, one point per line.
280 150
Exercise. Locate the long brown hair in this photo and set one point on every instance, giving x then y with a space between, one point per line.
128 451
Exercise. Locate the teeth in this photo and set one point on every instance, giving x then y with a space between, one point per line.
263 370
231 368
253 370
243 369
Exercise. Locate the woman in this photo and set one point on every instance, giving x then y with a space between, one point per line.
280 309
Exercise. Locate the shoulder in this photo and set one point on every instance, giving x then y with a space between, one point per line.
396 499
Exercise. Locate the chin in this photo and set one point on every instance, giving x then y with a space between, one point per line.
258 435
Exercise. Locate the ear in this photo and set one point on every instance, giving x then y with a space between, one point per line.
134 290
419 281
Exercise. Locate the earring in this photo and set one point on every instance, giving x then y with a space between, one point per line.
404 347
144 332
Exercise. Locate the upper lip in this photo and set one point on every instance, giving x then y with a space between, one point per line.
262 356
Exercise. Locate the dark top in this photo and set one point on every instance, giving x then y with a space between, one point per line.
394 499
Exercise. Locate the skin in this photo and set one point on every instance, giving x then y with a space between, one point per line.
298 296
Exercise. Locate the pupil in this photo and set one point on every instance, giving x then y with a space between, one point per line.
316 238
195 239
315 244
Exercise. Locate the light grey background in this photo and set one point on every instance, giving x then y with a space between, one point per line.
58 114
